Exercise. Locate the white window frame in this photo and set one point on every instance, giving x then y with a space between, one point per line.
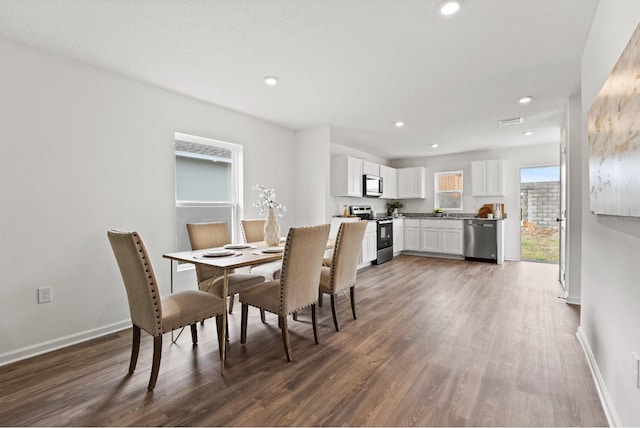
236 183
436 181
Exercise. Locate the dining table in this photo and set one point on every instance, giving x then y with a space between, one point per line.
238 256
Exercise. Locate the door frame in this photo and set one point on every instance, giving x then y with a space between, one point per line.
562 191
562 214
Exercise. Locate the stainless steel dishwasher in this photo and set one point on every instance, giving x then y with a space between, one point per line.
480 240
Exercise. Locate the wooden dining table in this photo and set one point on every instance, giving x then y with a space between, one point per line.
242 257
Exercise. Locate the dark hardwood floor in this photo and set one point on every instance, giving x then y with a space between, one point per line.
437 343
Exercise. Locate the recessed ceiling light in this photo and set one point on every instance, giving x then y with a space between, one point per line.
434 146
449 7
525 100
271 80
399 124
527 133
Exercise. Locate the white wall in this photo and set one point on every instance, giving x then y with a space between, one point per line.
312 168
83 151
610 316
516 158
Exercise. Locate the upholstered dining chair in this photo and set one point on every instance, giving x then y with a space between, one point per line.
297 287
341 274
149 311
253 231
211 279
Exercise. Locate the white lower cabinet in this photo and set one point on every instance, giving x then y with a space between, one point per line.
433 236
441 236
412 234
369 243
398 235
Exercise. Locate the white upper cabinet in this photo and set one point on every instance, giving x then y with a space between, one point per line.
487 178
370 168
346 176
389 182
411 183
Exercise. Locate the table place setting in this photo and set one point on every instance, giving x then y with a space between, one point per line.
268 250
220 252
240 246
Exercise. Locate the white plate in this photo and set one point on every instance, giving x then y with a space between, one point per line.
238 246
218 253
273 250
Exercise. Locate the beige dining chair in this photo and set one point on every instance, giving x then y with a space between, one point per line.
253 231
297 287
343 268
210 279
151 312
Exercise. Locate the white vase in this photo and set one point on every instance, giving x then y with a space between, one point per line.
271 229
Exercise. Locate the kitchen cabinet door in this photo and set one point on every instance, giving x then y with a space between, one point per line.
495 178
411 183
451 241
412 235
487 178
430 240
346 176
478 178
389 186
370 168
398 235
370 243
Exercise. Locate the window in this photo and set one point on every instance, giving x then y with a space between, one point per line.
448 190
208 184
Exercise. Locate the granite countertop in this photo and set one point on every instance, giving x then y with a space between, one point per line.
449 216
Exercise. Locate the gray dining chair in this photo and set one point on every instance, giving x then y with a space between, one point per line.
149 311
297 287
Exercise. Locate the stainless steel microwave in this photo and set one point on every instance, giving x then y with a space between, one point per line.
371 186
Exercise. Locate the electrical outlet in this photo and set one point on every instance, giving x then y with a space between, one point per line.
44 295
635 367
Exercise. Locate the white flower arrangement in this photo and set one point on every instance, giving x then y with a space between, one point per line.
267 200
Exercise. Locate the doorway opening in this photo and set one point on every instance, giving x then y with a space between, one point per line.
539 208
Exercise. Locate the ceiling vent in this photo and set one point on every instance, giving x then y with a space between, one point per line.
509 122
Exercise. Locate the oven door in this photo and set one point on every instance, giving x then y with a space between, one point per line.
385 234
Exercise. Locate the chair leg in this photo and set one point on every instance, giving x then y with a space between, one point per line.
295 316
194 333
314 319
353 301
243 322
320 298
334 311
231 300
135 348
262 317
285 337
219 331
155 368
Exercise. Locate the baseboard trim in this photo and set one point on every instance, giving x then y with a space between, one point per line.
605 399
573 300
62 342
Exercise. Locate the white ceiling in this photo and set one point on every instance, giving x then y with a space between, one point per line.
356 65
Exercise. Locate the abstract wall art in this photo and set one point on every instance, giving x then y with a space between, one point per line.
614 138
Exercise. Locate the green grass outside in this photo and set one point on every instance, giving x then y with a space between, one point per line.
540 248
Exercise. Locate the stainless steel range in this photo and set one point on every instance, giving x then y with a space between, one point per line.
384 227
